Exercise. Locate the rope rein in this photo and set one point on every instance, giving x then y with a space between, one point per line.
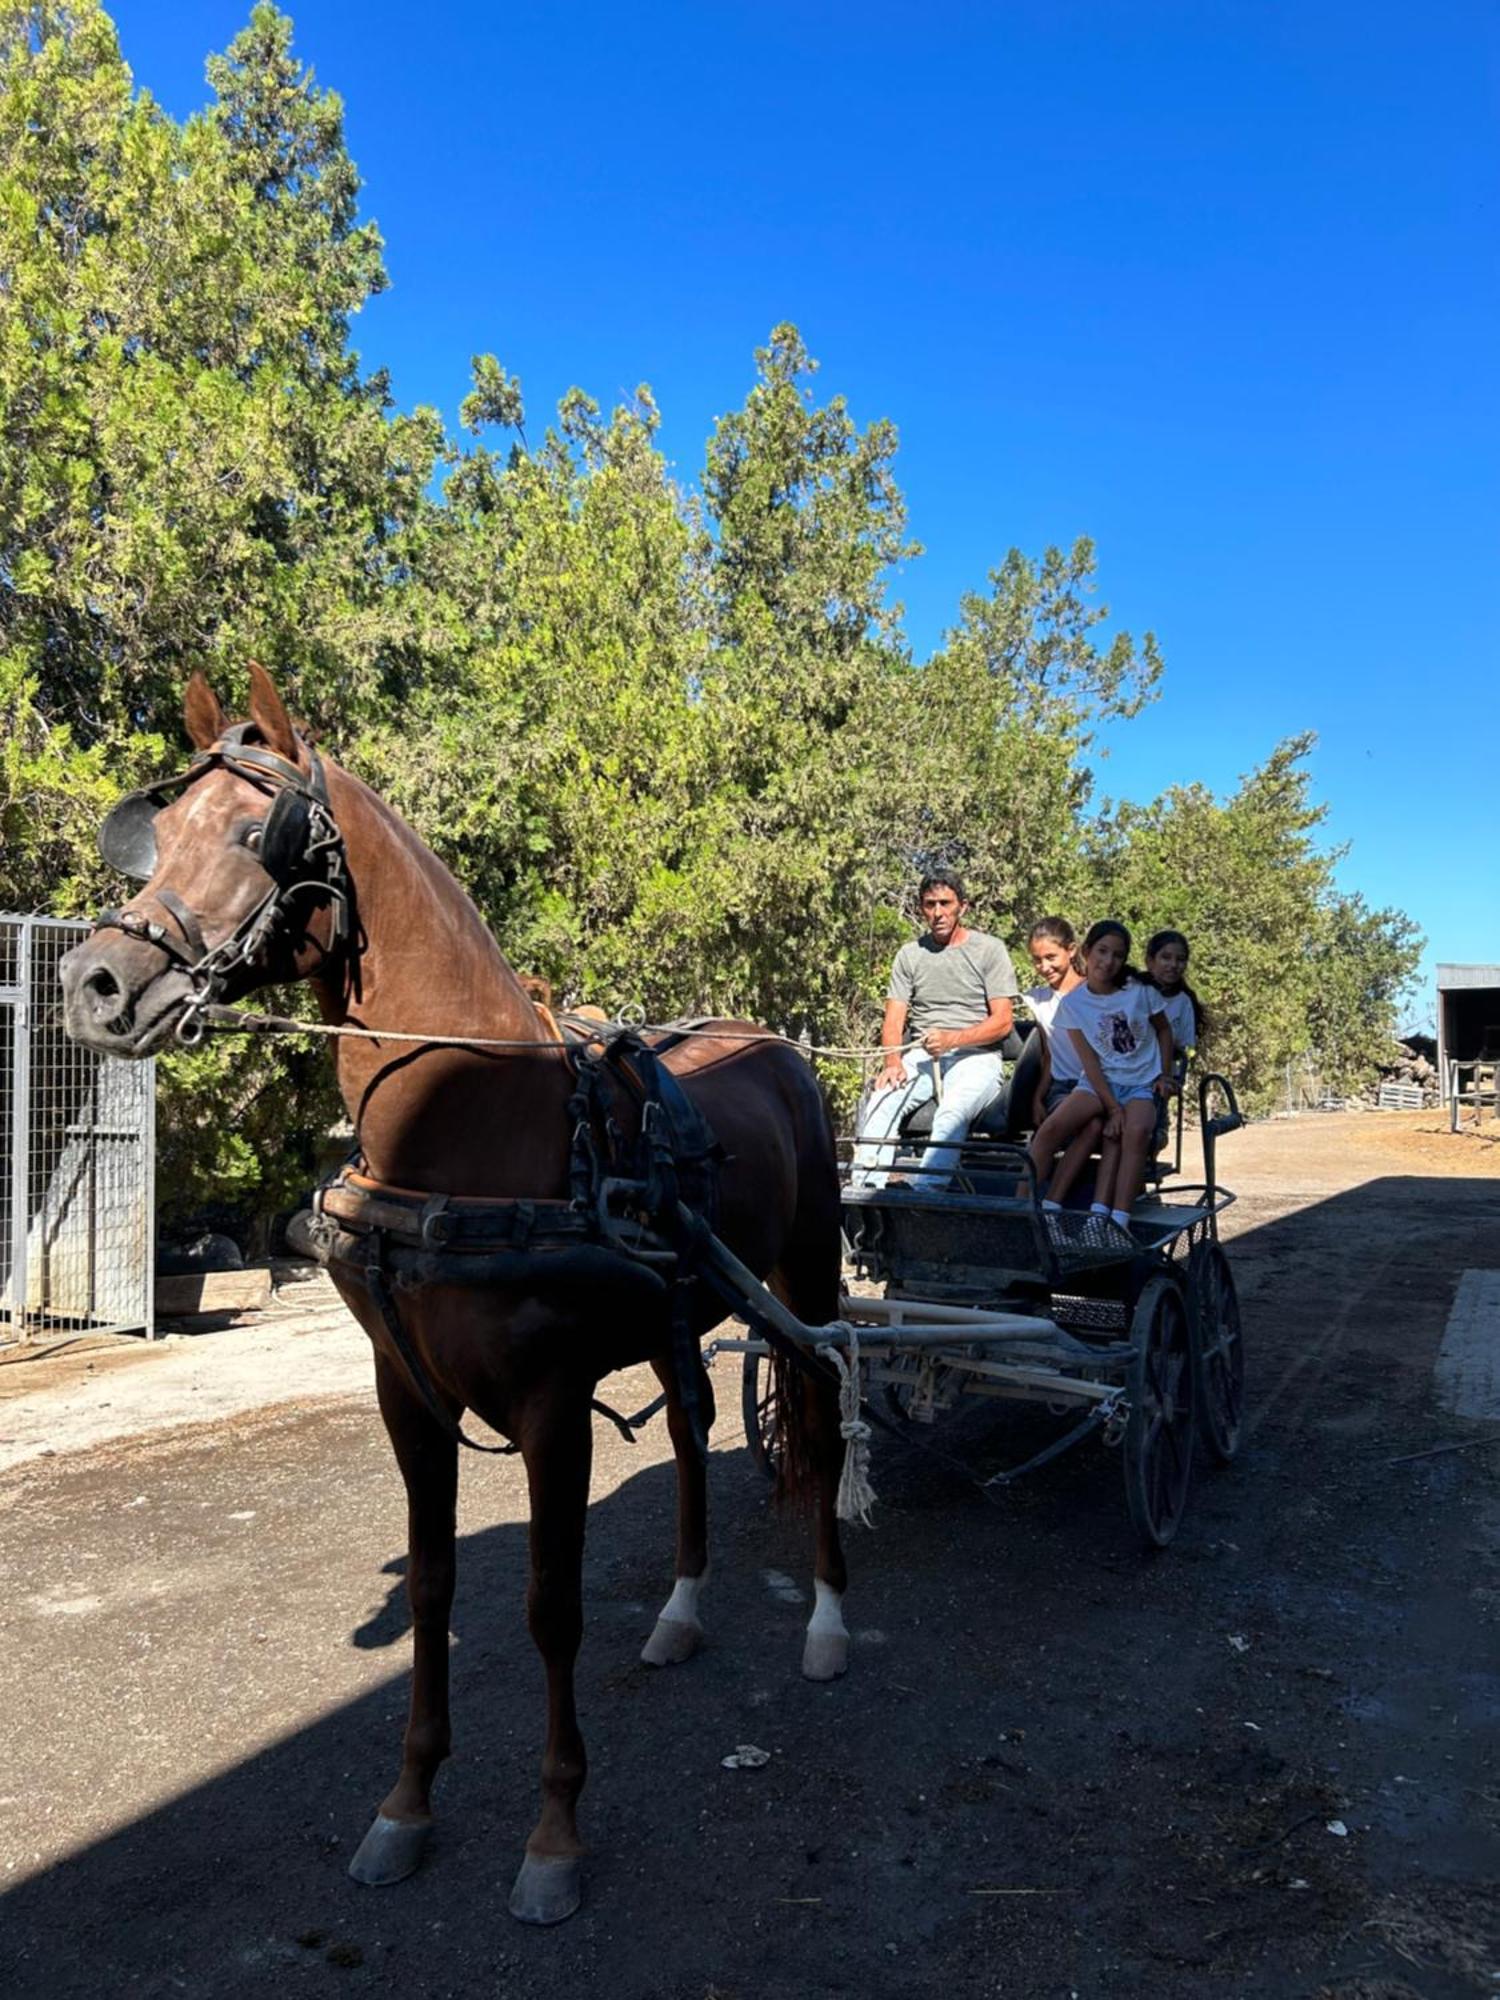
235 1020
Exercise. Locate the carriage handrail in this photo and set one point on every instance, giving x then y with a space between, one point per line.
1215 1129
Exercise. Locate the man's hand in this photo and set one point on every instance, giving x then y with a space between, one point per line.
1114 1123
892 1075
1167 1086
942 1041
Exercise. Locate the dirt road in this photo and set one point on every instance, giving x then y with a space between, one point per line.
1054 1769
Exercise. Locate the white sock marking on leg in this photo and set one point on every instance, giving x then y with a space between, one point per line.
682 1605
828 1613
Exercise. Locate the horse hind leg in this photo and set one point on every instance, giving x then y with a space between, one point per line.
678 1632
825 1652
815 1451
428 1457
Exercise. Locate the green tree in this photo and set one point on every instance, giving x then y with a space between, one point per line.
1004 717
1286 965
192 468
1362 968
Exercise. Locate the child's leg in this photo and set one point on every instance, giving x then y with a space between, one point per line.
1109 1167
1077 1109
1135 1142
1076 1157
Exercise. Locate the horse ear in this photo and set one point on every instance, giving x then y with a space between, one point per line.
202 713
268 713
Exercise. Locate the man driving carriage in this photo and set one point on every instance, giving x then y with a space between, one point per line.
950 993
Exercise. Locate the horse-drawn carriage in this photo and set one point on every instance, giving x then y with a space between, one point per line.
979 1291
532 1211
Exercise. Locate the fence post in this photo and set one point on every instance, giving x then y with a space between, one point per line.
20 1134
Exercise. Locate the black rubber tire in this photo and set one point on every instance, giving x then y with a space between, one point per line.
1158 1446
758 1409
1218 1352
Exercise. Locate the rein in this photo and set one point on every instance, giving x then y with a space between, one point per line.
302 851
239 1020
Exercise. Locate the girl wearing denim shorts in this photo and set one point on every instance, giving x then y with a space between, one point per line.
1124 1047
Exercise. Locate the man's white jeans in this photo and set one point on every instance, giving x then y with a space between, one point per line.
971 1082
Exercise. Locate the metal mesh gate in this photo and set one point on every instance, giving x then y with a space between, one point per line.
77 1132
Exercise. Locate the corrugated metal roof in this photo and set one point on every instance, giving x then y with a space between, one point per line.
1450 977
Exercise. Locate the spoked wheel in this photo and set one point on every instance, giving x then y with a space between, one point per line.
1218 1351
1158 1449
758 1407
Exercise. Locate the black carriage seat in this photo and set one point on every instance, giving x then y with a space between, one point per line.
1009 1117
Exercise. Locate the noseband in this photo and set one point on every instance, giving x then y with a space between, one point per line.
301 851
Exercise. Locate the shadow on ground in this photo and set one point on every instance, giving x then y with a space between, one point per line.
1056 1768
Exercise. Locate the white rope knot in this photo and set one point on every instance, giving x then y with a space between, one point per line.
856 1496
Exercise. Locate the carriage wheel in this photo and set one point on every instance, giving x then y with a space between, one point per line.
758 1407
1158 1450
1218 1351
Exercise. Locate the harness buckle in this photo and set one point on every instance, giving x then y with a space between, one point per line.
437 1222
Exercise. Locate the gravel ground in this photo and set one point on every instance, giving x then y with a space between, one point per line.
1055 1768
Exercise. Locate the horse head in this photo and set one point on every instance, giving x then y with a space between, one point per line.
244 881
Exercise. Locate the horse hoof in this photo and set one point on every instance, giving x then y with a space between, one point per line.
673 1641
390 1851
825 1656
546 1891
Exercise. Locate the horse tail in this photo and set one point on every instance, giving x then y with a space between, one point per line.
808 1282
793 1447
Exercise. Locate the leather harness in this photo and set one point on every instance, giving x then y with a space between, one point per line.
641 1205
618 1227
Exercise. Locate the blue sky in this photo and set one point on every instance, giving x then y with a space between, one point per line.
1215 284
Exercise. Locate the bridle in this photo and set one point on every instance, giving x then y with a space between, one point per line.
300 850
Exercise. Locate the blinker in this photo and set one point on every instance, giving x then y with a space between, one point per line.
127 838
284 838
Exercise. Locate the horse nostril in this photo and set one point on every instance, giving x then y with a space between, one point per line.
105 998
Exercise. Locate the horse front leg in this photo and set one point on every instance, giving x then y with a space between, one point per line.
825 1653
556 1438
678 1632
428 1458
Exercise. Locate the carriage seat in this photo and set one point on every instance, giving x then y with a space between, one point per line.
1009 1116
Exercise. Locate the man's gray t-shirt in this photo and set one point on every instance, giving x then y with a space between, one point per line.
951 986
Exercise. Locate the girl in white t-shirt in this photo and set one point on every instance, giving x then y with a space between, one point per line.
1053 944
1167 956
1124 1050
1166 968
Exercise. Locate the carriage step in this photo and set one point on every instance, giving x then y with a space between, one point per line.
1089 1315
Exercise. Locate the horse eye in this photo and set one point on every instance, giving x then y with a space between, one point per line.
251 836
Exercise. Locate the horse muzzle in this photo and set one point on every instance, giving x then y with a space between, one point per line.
119 998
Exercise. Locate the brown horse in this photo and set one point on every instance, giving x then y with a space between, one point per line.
240 888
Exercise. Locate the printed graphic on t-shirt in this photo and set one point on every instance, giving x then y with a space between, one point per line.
1118 1035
